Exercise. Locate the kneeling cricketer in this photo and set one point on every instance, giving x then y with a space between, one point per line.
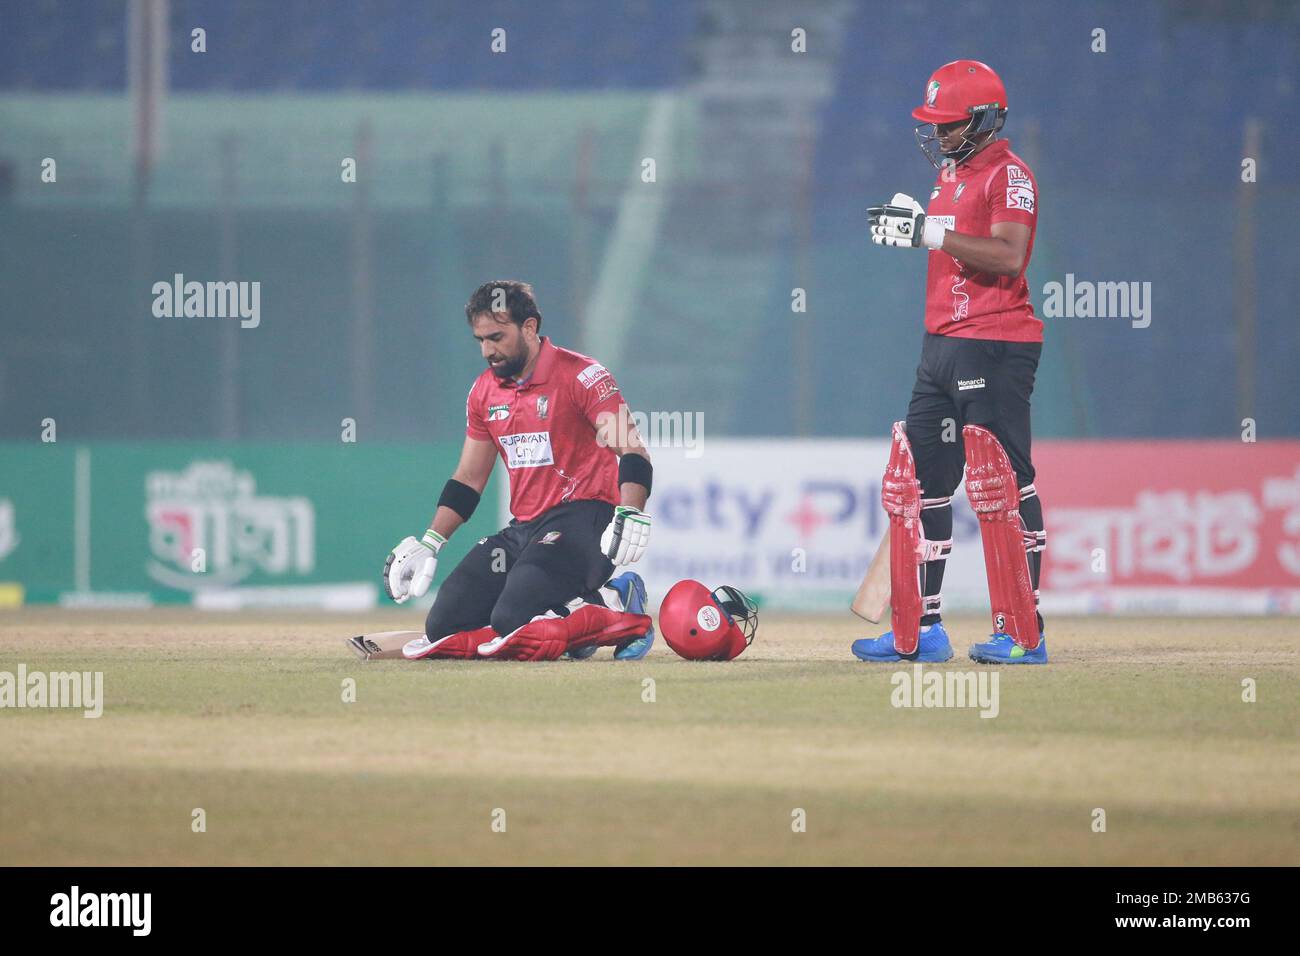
579 475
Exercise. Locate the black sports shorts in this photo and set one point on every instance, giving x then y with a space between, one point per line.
969 382
525 569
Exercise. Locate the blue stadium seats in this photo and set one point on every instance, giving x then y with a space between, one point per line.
337 45
1138 152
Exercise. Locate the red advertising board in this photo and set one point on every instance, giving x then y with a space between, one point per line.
1171 526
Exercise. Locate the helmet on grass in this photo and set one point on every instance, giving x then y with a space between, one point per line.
704 625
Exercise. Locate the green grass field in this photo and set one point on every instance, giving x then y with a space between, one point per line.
243 716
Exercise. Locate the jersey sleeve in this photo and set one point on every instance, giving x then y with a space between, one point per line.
1012 196
474 419
595 391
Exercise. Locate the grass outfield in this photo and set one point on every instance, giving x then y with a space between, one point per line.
242 715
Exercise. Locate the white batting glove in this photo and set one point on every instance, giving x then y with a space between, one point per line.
903 223
410 567
625 539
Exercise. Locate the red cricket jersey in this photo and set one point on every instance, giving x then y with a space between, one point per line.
992 186
545 430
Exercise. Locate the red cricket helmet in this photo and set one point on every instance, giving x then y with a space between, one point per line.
704 625
960 90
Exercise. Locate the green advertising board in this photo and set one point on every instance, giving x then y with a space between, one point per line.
217 524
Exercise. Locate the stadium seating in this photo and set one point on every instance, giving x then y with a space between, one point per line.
1137 150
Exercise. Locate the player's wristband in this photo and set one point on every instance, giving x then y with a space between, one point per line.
932 233
433 541
459 497
637 470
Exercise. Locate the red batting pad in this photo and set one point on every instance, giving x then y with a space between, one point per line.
463 645
546 638
900 493
995 498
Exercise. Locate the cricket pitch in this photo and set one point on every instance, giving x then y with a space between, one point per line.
661 761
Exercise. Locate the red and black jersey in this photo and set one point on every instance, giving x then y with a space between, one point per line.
544 429
995 185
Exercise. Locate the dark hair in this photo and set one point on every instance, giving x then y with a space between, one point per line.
520 304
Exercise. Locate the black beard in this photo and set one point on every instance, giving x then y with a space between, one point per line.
510 367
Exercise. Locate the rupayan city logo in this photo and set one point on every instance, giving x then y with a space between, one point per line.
75 908
527 449
75 690
208 300
922 688
211 513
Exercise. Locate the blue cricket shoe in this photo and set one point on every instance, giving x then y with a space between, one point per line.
1001 649
932 648
631 590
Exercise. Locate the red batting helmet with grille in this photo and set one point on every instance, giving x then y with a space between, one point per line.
704 625
961 90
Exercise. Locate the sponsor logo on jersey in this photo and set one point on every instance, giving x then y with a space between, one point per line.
527 449
1020 197
549 538
961 188
966 384
498 412
948 222
592 374
543 406
934 193
606 389
1017 176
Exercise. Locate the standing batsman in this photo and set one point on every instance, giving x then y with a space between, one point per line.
978 359
579 479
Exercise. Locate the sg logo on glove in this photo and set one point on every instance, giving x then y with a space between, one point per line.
902 222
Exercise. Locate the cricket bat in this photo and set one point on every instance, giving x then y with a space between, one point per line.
872 600
382 646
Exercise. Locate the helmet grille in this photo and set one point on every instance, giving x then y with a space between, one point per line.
740 610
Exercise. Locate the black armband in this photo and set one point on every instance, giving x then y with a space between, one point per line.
637 470
459 497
